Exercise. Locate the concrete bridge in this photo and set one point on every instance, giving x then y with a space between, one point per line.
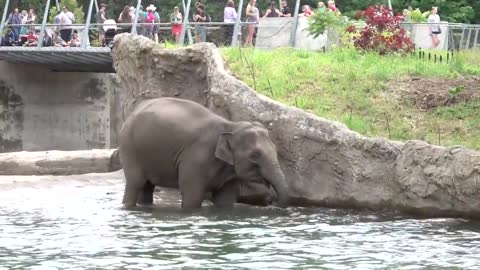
65 59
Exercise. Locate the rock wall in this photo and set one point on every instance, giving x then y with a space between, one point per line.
326 164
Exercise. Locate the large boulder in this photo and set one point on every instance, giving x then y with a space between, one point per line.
326 164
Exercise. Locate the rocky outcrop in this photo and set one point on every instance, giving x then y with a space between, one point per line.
59 162
325 163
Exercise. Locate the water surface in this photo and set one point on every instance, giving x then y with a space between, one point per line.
78 223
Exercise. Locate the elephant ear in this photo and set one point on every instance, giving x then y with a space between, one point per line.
223 150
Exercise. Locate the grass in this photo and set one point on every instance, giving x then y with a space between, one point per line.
350 87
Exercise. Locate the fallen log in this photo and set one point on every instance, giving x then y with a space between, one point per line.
326 164
59 162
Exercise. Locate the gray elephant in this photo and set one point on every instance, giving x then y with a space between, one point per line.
177 143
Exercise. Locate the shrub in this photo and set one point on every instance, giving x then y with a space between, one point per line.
382 32
418 17
322 21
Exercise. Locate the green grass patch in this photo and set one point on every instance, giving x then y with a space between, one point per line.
353 88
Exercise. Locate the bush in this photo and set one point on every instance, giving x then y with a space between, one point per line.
418 17
382 33
321 21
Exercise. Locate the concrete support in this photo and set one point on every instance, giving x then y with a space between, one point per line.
87 26
236 29
293 31
189 33
4 17
44 22
185 20
137 12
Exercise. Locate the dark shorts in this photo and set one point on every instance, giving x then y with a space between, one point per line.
436 32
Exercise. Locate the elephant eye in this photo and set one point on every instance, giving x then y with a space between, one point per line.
255 155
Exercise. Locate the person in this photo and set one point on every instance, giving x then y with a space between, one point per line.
126 17
66 20
252 16
272 11
149 20
15 18
307 11
9 39
434 26
32 39
75 41
229 16
332 6
101 18
31 18
321 6
176 21
200 30
156 26
286 12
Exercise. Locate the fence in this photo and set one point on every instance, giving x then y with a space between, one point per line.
270 32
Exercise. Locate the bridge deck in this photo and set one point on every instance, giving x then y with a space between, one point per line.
65 59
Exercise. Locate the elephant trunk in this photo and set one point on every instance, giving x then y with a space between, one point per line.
274 175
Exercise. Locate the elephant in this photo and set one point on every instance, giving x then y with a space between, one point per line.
178 143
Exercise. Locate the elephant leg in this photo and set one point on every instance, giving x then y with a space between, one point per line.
193 189
146 195
227 195
135 181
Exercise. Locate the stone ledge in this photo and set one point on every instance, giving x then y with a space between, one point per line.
59 162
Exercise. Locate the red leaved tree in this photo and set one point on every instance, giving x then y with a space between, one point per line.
382 33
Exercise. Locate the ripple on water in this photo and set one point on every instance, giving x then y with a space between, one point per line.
70 225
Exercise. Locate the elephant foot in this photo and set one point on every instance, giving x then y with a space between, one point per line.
127 206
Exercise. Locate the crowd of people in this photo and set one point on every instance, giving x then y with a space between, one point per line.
21 32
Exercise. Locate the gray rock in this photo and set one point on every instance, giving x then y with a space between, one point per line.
325 163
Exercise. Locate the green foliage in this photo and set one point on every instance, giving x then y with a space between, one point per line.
321 21
416 16
356 89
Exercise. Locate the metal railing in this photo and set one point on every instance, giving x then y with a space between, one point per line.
460 36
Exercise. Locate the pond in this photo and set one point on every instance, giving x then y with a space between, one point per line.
78 223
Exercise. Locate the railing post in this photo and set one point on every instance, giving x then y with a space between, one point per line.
137 12
462 37
293 30
4 17
42 29
190 41
475 47
185 20
96 6
236 28
87 25
467 45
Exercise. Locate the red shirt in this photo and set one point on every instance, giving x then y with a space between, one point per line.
32 37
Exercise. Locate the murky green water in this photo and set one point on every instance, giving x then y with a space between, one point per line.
66 223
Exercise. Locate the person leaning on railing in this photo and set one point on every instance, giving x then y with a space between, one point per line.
229 16
126 17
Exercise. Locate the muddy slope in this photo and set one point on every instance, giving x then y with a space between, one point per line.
326 163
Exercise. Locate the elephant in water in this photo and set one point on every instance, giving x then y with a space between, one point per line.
177 143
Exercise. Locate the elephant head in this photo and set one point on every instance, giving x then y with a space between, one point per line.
248 148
